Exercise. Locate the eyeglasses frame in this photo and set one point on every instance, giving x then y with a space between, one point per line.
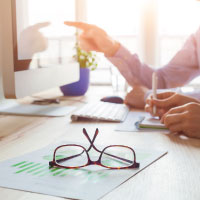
90 162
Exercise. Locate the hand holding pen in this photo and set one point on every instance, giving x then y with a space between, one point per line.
166 101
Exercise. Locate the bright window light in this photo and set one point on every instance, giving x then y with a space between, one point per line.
116 17
178 19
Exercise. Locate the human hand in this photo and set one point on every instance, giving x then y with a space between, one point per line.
32 41
135 98
94 38
166 101
184 119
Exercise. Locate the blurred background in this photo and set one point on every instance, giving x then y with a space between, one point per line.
154 29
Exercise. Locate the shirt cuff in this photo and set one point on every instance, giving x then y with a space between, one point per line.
189 91
122 52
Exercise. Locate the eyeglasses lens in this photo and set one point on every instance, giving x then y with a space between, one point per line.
117 156
71 156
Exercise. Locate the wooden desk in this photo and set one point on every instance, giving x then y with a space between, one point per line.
175 176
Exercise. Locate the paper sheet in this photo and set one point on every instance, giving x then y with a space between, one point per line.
130 123
31 173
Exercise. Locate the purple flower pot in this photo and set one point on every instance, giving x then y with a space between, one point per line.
78 88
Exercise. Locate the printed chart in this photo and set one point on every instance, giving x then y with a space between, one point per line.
31 172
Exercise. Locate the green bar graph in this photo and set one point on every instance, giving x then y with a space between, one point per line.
30 166
49 171
25 165
41 170
59 172
37 168
18 164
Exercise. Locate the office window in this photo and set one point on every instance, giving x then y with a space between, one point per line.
174 21
177 20
120 19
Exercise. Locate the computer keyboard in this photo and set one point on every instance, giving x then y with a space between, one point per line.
102 111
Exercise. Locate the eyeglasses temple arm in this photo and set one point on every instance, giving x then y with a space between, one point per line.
123 159
51 163
92 145
91 141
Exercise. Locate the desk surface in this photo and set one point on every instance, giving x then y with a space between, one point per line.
175 176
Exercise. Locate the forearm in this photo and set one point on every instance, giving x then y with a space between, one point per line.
130 66
137 73
183 67
111 48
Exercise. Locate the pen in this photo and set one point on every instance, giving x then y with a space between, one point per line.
154 88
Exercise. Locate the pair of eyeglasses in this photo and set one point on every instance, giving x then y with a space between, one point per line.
73 156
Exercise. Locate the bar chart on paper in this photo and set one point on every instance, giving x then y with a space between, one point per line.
31 172
41 170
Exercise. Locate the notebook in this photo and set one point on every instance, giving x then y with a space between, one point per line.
151 122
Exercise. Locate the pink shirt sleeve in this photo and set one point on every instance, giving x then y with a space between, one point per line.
183 67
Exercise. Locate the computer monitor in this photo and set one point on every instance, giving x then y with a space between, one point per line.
36 47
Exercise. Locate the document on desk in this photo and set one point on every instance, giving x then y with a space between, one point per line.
31 173
130 124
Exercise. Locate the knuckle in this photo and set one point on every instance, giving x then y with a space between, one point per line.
166 121
172 110
191 105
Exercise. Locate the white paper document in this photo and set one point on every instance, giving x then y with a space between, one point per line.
31 173
130 124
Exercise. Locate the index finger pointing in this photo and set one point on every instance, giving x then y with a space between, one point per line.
80 25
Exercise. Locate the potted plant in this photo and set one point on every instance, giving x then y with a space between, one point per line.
87 62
